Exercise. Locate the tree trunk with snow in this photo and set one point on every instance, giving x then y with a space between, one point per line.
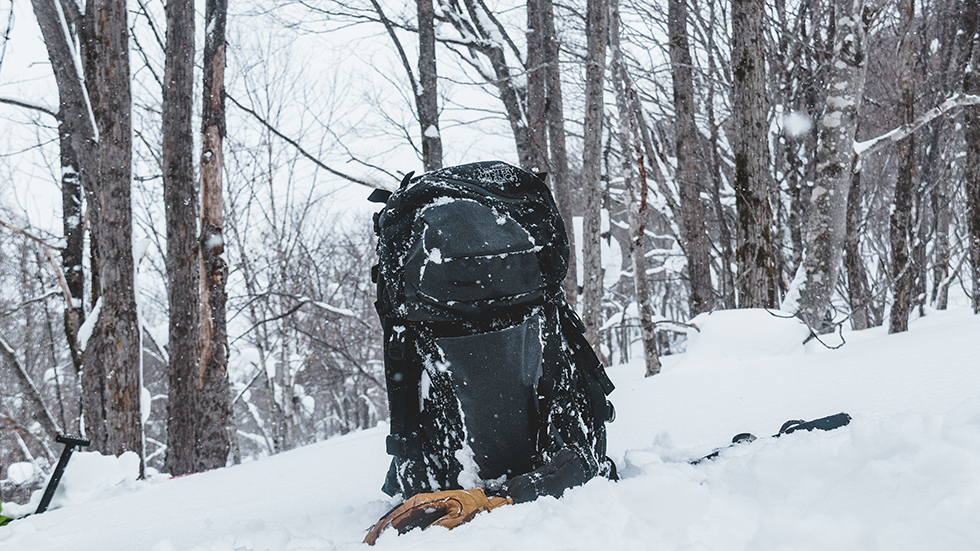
72 256
484 34
695 241
900 222
213 434
595 69
756 277
183 258
635 182
112 420
971 85
427 100
835 159
78 160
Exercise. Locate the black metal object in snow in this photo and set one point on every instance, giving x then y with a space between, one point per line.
70 442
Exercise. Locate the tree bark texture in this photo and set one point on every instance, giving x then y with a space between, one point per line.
597 18
900 222
726 278
72 255
859 295
635 182
213 435
558 165
183 259
427 100
114 347
835 160
756 276
536 102
691 217
971 85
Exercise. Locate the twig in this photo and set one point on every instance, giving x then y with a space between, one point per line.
28 105
30 236
299 148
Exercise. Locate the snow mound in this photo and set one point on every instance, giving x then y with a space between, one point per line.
90 476
746 333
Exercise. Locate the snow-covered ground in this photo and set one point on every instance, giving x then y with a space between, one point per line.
905 474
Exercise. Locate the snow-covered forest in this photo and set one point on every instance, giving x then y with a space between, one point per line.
186 245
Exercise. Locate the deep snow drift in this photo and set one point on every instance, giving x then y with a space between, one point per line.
905 474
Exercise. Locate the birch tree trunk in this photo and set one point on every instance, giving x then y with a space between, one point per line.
114 347
183 258
900 221
636 187
214 431
835 159
756 277
695 242
595 68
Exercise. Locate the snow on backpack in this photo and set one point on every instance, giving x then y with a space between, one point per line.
488 373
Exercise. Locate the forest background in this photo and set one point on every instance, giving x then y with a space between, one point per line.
186 247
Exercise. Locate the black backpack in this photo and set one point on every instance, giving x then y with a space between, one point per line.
488 373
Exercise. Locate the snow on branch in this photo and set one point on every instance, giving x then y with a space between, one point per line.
77 61
905 130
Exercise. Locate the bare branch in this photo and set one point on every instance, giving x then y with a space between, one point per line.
30 236
398 47
43 415
28 105
299 148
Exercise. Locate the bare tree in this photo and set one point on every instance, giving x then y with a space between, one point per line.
756 280
214 431
595 68
901 230
112 364
425 89
558 163
835 160
183 258
859 294
427 98
970 16
635 181
690 218
79 164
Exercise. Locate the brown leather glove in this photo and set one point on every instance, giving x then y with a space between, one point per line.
448 509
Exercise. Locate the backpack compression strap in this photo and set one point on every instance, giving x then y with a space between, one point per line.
600 385
402 377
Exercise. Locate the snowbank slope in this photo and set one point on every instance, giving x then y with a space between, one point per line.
905 474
